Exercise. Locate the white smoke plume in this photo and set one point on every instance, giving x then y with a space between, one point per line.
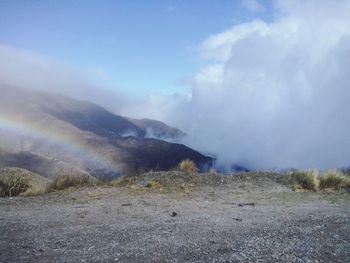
24 69
277 94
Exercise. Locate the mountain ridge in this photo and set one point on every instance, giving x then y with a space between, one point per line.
87 135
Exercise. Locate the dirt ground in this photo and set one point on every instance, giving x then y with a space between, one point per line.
242 221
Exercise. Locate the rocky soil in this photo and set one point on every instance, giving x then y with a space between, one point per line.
237 219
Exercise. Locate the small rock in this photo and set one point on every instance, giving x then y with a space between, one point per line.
243 204
174 214
92 247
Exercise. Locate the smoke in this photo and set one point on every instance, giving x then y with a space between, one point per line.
29 70
273 94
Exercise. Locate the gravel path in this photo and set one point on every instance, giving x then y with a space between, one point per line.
249 221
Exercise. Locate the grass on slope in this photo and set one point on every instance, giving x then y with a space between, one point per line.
16 181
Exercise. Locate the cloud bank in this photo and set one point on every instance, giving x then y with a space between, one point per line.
273 94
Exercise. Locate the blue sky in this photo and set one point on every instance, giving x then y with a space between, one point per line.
138 47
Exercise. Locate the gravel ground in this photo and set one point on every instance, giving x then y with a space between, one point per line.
246 220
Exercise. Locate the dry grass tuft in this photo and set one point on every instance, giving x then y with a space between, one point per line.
332 179
310 180
297 188
123 181
305 179
65 181
13 184
35 190
153 184
188 166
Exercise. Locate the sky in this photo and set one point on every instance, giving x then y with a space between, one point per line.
138 47
262 84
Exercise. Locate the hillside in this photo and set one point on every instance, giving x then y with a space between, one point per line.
47 167
84 135
158 130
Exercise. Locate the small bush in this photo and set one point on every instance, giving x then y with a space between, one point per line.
188 166
297 187
65 181
332 179
305 179
13 184
153 184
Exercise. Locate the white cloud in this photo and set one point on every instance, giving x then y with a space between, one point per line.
219 46
277 94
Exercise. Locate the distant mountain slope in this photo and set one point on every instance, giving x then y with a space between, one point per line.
85 135
38 164
158 130
83 115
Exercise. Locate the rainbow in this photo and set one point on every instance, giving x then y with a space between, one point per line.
21 126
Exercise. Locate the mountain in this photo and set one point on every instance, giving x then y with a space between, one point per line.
84 136
47 167
158 130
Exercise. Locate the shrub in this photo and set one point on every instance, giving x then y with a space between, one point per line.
188 166
65 181
305 179
13 184
332 179
296 187
153 184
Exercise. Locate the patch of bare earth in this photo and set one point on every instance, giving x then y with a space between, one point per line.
247 218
